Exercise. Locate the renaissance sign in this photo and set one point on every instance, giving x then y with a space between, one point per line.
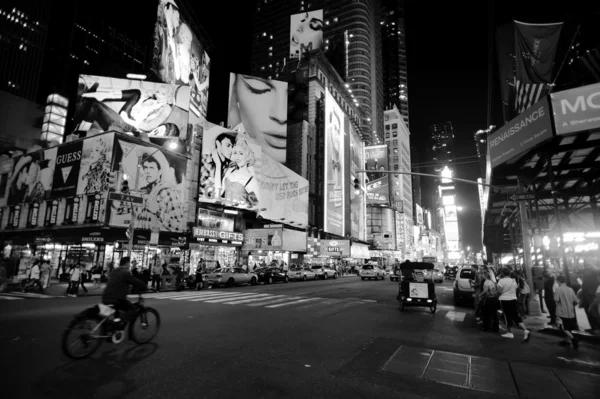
521 134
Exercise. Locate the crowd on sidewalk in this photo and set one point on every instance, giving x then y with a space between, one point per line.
508 294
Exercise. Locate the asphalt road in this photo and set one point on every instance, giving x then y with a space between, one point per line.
343 338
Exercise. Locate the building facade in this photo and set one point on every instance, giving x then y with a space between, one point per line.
442 145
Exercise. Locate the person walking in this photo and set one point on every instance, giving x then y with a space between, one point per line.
74 280
589 287
46 270
200 269
489 300
549 296
566 300
508 303
157 271
96 274
82 279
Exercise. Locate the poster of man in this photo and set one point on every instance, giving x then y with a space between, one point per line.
133 107
32 177
161 183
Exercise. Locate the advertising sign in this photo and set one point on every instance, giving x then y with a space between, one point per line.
524 132
96 159
419 214
359 251
258 107
199 79
576 109
358 212
203 232
294 240
161 183
450 213
214 220
334 167
263 239
123 105
306 32
236 172
66 170
378 190
32 177
335 248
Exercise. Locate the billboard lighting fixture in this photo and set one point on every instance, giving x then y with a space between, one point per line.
136 76
230 212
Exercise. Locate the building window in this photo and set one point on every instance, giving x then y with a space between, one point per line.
387 135
395 142
396 167
395 133
394 126
396 159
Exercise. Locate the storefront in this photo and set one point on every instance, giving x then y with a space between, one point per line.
358 254
217 248
274 244
150 248
333 252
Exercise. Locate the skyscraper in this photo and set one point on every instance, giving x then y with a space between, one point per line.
351 40
393 37
442 145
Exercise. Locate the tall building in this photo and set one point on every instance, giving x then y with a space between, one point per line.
416 181
393 38
23 35
351 40
442 145
397 138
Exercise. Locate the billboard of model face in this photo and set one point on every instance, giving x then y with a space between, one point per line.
357 199
94 169
172 45
235 171
334 166
378 190
132 106
32 177
161 183
306 32
258 107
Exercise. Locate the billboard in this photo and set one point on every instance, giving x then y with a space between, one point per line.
199 79
335 248
576 110
95 166
419 214
259 107
66 170
306 32
378 191
133 107
524 132
161 182
236 172
357 199
334 167
32 177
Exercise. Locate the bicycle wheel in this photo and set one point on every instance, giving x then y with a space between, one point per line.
86 333
144 326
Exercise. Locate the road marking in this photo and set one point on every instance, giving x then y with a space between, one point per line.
206 298
11 298
584 362
252 300
211 295
270 301
292 303
190 294
26 295
247 296
456 316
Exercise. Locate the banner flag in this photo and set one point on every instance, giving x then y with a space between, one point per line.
535 46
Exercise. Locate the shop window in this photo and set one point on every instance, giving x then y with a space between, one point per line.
3 183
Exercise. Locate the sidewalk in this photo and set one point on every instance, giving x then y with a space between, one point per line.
59 289
540 324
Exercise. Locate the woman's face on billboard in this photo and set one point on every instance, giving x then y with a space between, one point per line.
309 30
263 111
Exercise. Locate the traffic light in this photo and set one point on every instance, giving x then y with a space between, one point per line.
112 180
356 186
125 187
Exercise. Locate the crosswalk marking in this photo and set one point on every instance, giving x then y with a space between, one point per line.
272 301
10 298
206 298
252 300
292 303
247 296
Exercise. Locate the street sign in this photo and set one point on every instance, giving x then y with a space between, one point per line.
522 197
125 198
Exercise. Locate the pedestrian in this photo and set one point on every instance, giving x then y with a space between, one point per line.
522 294
74 280
199 274
82 279
508 303
157 271
589 288
96 274
549 296
566 300
489 299
34 277
46 270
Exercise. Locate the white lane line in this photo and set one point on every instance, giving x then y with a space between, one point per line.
199 294
247 296
272 302
456 316
11 298
212 295
253 300
292 303
208 298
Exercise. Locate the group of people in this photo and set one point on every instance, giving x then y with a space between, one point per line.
39 275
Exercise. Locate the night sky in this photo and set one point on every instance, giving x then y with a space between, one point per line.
447 46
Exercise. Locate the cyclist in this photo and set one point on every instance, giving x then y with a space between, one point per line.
117 288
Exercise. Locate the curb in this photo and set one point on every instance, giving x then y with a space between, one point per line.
583 336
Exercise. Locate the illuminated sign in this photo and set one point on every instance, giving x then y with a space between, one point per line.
201 232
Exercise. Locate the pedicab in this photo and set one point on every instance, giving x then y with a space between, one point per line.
414 288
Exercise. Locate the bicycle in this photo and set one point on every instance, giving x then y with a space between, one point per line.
98 324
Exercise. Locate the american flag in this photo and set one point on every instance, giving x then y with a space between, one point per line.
528 94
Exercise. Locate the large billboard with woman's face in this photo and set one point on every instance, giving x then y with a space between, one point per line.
334 167
357 197
378 189
259 107
306 32
161 182
235 171
133 107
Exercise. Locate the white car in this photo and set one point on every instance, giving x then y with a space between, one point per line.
463 288
230 276
302 273
371 272
324 272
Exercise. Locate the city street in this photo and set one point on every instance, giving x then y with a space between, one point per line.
343 338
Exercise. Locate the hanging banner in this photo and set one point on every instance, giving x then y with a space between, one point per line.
576 110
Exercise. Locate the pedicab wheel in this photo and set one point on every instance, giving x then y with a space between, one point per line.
433 308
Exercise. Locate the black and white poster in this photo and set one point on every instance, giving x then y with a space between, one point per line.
66 171
31 177
95 164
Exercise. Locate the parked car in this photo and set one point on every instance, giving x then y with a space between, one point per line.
463 289
371 272
302 273
270 275
324 272
230 276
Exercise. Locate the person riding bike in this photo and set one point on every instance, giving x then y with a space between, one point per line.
117 288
